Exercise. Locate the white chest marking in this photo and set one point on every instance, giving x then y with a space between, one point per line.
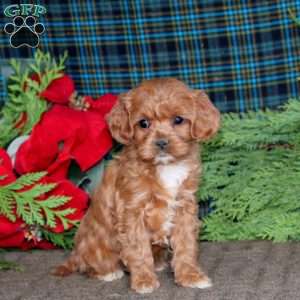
172 176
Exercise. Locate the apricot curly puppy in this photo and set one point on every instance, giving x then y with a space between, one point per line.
145 203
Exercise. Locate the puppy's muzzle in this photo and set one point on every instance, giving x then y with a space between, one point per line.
162 144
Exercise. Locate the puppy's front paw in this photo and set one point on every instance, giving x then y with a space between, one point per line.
111 276
194 280
144 283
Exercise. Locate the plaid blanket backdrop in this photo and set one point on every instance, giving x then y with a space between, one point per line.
244 53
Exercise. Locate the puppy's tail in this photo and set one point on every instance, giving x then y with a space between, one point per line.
67 268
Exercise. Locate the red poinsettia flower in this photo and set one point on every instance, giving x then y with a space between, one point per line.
33 244
18 233
59 90
64 134
6 170
10 233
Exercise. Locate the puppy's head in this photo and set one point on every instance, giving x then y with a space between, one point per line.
161 118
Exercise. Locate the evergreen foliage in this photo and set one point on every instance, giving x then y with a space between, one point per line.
251 172
23 94
64 240
6 265
10 265
22 199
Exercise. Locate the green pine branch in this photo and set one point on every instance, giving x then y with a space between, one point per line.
23 94
10 265
28 205
251 170
64 240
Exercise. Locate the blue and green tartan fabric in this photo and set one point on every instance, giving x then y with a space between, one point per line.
245 54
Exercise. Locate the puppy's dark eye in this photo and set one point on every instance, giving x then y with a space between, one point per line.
178 120
144 123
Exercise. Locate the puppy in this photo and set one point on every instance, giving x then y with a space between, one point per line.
145 203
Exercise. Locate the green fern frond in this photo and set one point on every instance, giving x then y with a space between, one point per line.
29 206
27 100
7 205
55 201
251 170
10 265
25 180
64 240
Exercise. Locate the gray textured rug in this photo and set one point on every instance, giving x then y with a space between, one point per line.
239 270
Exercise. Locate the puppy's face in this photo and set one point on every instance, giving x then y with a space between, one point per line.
161 118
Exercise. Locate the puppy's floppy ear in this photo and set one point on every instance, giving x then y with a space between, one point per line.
206 119
119 120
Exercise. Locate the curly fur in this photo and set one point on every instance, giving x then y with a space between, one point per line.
145 203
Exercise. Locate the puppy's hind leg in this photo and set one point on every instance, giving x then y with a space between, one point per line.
94 255
96 250
67 268
104 262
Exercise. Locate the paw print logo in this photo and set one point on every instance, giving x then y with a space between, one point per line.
24 31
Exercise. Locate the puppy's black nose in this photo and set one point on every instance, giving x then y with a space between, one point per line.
162 143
